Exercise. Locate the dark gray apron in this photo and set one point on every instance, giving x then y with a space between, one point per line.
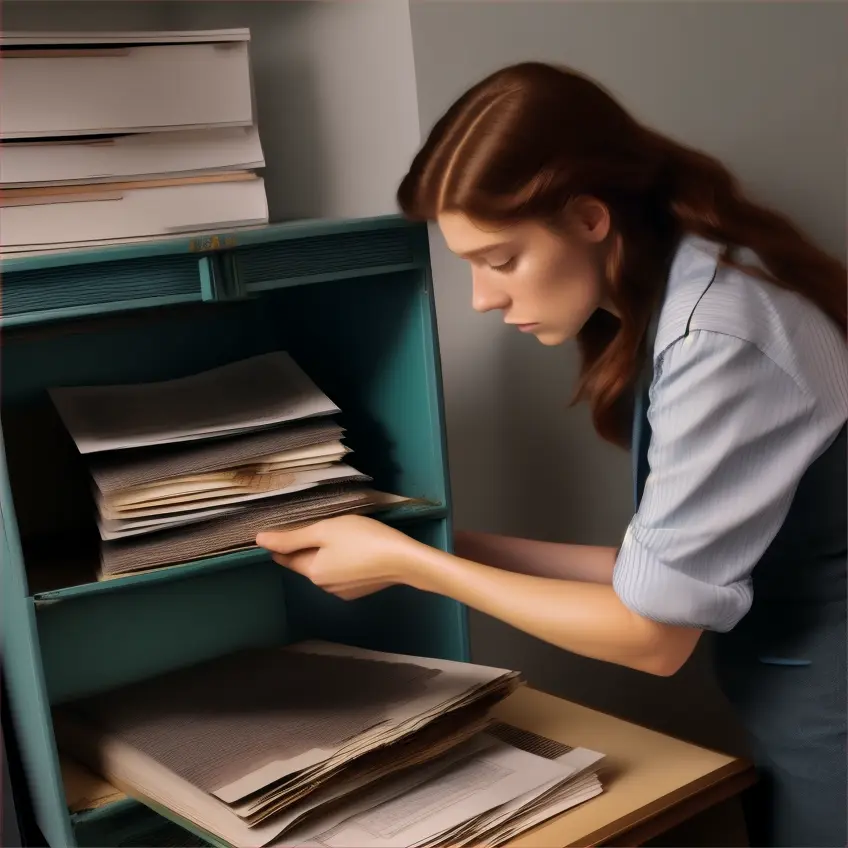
783 667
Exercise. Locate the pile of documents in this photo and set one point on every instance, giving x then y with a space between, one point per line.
486 791
149 135
197 466
326 744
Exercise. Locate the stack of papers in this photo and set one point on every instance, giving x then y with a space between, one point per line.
150 135
486 791
258 747
196 466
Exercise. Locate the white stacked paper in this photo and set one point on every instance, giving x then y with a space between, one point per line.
103 215
130 157
120 86
150 136
82 39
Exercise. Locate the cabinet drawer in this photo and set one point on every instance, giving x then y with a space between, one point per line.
298 260
44 294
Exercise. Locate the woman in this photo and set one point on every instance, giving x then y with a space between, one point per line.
716 331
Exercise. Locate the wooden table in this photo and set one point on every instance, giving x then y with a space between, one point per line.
652 782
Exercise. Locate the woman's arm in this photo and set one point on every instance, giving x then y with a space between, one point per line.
585 563
351 556
583 617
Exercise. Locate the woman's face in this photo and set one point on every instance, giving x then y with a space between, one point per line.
544 282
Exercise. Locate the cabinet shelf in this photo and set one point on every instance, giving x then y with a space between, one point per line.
127 823
57 576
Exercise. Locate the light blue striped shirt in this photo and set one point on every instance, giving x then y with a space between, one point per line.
749 387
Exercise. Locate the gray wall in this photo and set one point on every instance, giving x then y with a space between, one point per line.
761 86
335 89
77 15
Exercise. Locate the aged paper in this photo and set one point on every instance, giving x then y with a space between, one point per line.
121 470
236 398
255 486
232 479
225 742
493 775
237 530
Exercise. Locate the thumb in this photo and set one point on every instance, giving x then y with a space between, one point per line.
287 541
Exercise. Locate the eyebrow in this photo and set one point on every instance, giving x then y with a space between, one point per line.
481 251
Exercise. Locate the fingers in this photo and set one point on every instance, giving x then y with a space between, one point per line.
301 562
353 592
289 541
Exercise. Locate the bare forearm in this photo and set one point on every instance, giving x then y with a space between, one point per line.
585 618
584 563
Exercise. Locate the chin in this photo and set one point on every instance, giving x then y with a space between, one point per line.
550 338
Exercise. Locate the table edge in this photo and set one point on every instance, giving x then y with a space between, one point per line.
731 779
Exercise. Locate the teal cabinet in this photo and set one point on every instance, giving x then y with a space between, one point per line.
352 301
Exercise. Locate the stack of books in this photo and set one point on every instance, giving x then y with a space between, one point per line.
197 466
109 138
322 744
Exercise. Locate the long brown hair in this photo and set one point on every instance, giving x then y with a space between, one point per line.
527 139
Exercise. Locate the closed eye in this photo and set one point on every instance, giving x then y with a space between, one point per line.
506 266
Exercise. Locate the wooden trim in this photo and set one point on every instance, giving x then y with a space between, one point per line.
652 728
687 810
676 807
126 185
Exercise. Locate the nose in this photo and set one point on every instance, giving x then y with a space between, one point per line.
484 296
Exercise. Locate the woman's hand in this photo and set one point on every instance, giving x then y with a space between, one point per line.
349 556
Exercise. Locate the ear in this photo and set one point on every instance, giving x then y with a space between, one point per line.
589 219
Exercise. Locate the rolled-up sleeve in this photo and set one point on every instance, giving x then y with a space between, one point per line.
732 435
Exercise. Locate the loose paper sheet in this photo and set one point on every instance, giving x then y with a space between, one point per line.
239 397
452 807
494 775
